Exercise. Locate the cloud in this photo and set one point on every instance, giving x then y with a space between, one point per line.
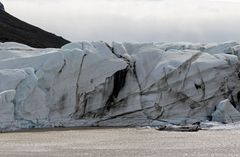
133 20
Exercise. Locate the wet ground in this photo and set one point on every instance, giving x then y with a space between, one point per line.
120 142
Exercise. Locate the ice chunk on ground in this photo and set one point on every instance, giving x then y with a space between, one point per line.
226 113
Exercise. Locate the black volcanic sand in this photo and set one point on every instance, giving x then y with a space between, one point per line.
15 30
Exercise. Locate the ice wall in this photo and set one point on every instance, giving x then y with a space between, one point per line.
122 84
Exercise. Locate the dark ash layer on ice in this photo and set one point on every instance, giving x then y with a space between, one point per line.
122 84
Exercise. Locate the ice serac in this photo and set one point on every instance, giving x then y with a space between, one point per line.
122 84
226 113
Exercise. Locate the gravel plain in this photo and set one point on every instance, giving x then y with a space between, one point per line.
119 142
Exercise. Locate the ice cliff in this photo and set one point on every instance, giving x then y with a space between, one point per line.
122 84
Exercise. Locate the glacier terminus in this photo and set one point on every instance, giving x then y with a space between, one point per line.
118 84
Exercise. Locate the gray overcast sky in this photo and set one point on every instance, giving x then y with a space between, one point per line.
133 20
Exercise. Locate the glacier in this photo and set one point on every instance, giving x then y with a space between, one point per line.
118 84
